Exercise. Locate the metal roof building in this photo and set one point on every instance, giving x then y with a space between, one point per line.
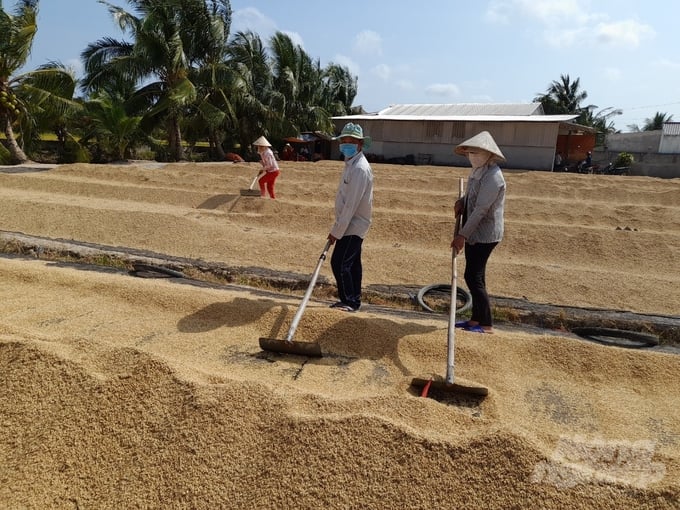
427 133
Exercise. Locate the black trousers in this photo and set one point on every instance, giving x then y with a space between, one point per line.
347 270
476 257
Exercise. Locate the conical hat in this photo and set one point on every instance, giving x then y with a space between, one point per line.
262 141
483 141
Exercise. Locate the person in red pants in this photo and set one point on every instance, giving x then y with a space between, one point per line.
270 167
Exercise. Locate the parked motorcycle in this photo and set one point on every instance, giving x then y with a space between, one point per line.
610 169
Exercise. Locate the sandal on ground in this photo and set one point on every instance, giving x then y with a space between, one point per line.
463 324
344 307
477 329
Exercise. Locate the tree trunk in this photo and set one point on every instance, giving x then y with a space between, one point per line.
215 141
176 139
18 155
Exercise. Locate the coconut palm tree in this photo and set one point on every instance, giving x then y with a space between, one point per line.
48 94
563 96
28 99
108 122
340 89
169 37
656 123
299 79
213 113
16 40
600 121
256 104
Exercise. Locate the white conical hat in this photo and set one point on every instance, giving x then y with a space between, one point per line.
483 141
262 141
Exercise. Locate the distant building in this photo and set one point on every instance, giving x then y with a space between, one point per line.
427 133
656 153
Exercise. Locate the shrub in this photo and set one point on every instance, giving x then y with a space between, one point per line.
624 159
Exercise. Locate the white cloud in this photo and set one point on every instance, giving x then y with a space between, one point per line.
566 23
252 19
623 33
566 38
664 63
554 13
368 42
382 71
345 61
442 90
405 84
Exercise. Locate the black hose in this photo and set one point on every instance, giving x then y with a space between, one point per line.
147 271
617 337
461 294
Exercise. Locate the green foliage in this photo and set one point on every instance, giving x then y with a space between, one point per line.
109 124
73 152
178 76
656 123
624 159
564 96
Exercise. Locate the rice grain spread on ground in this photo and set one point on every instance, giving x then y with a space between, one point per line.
123 392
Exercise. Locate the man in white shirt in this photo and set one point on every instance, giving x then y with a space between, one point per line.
353 211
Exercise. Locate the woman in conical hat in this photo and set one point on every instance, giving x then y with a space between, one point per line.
482 226
270 167
262 142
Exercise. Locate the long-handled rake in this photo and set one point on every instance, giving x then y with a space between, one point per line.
250 192
449 385
289 346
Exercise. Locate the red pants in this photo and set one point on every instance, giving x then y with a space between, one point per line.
267 181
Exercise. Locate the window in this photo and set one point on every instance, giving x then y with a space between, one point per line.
457 131
433 129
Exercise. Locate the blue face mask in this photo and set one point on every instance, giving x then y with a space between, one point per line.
348 149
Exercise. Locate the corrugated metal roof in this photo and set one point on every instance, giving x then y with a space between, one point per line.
469 118
467 109
671 128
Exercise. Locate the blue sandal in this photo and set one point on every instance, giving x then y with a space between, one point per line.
463 324
475 329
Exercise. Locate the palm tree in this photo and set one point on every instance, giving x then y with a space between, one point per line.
310 94
601 121
213 114
564 96
656 123
34 100
16 40
340 89
48 94
108 122
170 37
255 103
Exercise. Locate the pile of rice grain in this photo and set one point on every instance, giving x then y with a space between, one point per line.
123 392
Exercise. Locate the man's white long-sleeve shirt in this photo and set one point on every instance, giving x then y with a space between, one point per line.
354 199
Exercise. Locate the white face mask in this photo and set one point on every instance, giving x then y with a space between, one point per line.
478 158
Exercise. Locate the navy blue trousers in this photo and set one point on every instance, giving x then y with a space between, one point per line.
476 257
347 270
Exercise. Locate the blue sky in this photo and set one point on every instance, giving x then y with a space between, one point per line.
625 52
